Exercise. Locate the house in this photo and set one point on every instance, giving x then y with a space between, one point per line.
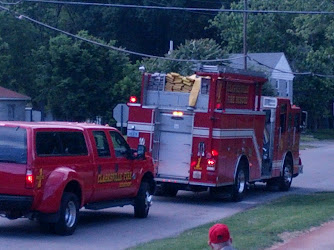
274 65
12 105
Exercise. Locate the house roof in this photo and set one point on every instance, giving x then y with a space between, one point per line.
6 94
266 62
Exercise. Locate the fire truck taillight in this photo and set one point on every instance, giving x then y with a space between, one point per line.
214 152
133 99
211 165
29 179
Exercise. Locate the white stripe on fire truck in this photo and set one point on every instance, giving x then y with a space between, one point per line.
230 133
141 126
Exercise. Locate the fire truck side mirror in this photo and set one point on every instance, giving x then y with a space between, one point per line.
141 150
303 124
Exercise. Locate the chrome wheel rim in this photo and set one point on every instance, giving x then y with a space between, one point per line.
287 174
241 181
70 214
148 200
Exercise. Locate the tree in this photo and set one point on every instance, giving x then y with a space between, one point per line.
18 38
307 40
202 49
4 62
80 81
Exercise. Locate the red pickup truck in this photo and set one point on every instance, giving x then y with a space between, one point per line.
49 170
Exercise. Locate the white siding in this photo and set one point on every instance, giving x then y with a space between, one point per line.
282 65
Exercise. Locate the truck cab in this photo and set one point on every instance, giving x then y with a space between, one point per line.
49 170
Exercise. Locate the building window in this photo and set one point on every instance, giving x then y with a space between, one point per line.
11 112
277 84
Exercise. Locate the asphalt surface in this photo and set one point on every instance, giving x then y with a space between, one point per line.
115 228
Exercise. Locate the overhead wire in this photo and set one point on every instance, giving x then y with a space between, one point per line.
20 16
249 11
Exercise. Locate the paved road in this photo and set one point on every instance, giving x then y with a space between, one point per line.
117 229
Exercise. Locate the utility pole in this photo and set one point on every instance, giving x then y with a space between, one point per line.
245 35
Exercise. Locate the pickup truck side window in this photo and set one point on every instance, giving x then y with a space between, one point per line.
13 145
60 144
121 147
101 144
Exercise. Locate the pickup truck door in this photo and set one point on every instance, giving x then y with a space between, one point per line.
123 165
105 168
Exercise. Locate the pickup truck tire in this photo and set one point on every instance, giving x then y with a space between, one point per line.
143 201
69 212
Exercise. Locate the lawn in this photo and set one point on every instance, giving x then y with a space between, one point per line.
260 227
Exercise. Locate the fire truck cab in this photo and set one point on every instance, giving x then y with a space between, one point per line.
230 138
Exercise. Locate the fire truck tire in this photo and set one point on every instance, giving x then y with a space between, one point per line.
240 184
143 201
69 213
285 180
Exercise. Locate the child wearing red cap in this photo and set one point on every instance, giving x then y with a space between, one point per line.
219 238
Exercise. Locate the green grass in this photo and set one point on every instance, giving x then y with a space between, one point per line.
324 134
320 134
260 227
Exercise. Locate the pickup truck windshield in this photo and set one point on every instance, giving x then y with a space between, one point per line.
13 145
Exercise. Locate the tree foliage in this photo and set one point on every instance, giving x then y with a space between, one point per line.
202 49
81 80
307 41
58 72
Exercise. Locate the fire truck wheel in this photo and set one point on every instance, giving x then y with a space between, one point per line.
69 212
240 184
143 201
286 178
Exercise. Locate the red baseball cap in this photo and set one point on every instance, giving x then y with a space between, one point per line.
219 233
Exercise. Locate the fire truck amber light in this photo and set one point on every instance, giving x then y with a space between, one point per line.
133 99
178 113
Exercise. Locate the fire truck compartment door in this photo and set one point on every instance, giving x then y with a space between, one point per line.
174 154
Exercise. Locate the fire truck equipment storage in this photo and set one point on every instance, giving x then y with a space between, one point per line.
230 138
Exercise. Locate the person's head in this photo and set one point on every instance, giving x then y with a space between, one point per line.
219 236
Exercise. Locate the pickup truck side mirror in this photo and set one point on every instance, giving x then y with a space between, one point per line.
141 152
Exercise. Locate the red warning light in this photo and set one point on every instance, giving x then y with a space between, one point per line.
214 152
133 99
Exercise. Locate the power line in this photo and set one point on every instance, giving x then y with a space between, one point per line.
10 3
179 8
19 16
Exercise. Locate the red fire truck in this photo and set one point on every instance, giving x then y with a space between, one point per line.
232 137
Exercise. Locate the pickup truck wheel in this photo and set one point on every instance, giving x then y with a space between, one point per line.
143 201
69 212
